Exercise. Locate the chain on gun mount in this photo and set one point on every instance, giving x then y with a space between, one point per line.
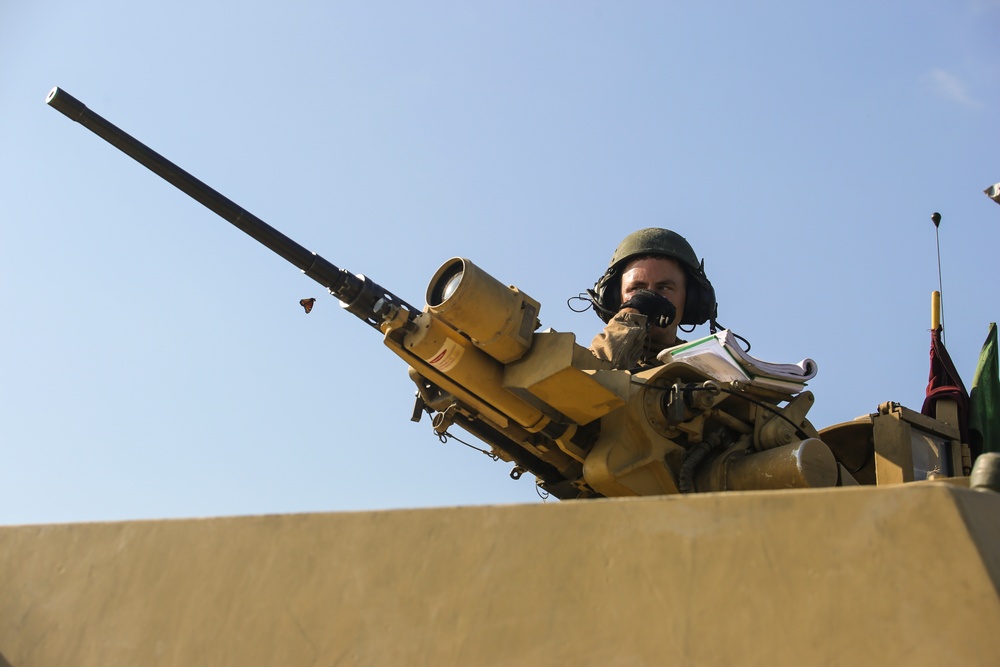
538 399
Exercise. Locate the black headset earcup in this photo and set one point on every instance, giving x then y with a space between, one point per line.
606 295
699 305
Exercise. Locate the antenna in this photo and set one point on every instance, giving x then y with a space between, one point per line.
936 219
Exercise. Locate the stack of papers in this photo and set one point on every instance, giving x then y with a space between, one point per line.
721 357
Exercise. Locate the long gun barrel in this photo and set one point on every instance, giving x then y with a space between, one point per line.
362 297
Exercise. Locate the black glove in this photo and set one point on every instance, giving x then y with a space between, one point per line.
656 307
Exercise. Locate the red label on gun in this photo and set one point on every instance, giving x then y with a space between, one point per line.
447 356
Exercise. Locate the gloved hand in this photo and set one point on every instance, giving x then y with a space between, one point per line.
656 307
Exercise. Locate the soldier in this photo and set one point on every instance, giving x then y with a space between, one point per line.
654 284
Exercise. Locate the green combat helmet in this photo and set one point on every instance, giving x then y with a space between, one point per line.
700 305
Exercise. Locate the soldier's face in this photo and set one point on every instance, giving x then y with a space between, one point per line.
662 275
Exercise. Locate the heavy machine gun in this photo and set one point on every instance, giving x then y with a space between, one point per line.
546 404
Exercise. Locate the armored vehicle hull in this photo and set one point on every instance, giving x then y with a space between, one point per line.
903 574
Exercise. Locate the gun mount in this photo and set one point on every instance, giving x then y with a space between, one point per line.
548 405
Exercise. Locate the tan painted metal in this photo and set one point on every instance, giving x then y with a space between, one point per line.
865 575
804 464
896 445
550 376
500 320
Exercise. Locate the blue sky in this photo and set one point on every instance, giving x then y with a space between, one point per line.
156 362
